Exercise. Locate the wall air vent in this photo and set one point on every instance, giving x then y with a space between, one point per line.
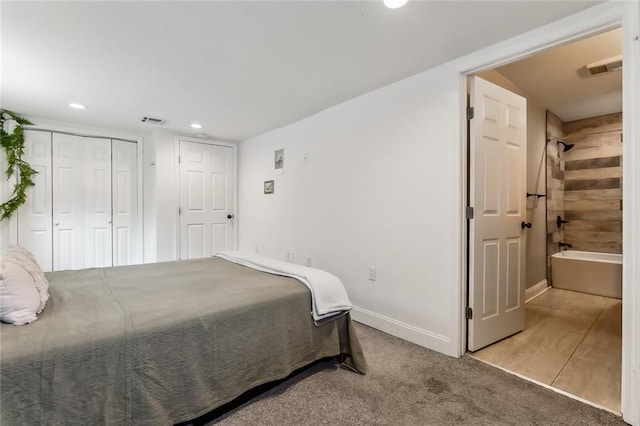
608 65
151 120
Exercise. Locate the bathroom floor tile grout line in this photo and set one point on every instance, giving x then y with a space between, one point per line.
577 346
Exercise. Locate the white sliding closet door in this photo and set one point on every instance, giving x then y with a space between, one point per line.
125 202
34 217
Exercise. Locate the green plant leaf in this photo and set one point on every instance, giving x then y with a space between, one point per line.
13 145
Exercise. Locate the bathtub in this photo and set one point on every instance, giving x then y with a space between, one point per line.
594 273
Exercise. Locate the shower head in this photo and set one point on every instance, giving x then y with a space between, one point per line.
566 146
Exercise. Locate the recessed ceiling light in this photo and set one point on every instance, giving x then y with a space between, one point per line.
394 4
77 106
196 125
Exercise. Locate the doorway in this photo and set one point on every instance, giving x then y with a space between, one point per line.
206 198
572 338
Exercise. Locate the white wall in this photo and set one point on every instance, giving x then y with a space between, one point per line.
380 190
162 214
384 189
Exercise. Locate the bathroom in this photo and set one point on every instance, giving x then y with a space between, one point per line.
572 341
584 204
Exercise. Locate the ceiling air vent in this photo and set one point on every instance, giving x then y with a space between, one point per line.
608 65
151 120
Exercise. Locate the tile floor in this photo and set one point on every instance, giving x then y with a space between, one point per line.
571 341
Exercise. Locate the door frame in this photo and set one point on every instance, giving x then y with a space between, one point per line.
234 186
98 132
589 22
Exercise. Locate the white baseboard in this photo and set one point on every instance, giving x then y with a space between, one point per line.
404 331
535 291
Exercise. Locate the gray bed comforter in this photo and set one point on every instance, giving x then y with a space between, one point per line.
159 343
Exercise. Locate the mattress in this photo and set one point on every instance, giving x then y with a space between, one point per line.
160 343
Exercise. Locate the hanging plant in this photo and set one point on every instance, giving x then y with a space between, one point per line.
13 144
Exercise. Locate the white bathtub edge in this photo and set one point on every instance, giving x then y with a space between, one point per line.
536 290
586 256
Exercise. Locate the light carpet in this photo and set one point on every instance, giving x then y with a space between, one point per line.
406 385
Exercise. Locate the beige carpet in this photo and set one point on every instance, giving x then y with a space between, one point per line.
406 385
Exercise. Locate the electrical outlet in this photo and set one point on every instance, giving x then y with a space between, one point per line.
308 261
372 273
286 255
291 256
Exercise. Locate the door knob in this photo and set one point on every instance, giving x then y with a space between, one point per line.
525 225
56 224
230 216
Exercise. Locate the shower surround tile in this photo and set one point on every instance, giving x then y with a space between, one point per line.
584 184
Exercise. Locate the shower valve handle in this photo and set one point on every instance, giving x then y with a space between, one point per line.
525 225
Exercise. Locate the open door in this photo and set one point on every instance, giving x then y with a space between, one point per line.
497 230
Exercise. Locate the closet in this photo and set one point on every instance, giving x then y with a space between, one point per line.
83 210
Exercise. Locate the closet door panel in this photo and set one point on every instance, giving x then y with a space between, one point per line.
125 202
34 217
97 202
68 202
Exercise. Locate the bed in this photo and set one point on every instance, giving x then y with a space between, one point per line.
160 343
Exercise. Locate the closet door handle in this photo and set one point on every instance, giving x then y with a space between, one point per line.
56 224
525 225
110 222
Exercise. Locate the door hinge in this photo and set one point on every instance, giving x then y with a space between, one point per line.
178 159
179 210
470 112
469 313
469 212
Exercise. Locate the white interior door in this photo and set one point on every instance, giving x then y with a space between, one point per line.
498 196
206 199
125 200
34 217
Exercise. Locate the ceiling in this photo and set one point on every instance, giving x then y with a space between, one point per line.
239 68
558 80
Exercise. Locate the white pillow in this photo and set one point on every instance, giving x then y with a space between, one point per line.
19 298
23 257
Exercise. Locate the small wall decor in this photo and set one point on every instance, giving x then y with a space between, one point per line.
278 161
268 186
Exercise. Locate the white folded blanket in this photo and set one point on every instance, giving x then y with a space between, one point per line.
328 296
